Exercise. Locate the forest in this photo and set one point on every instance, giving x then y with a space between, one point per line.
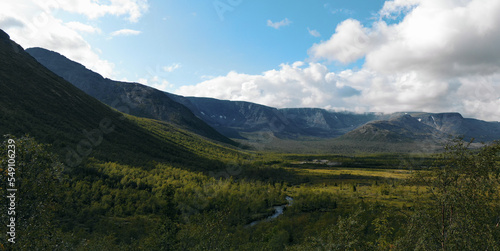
444 201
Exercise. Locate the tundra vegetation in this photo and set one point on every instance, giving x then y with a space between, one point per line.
446 201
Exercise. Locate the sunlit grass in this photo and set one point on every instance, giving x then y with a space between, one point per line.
365 172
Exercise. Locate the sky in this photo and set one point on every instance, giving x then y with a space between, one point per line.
358 56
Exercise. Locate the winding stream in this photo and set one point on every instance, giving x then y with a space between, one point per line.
278 210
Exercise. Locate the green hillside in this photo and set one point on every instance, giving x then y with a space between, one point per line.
131 98
35 101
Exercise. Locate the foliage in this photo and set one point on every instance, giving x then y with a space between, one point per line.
462 210
113 206
37 180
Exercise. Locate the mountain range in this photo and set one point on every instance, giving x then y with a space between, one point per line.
403 127
237 119
132 98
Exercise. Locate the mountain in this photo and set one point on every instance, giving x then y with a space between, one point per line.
399 129
455 124
322 123
229 118
233 117
132 98
35 101
246 120
409 127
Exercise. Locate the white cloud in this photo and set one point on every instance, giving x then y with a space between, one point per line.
436 37
430 55
350 42
295 85
277 25
395 8
157 83
77 26
92 9
31 26
314 33
33 23
442 39
125 32
172 67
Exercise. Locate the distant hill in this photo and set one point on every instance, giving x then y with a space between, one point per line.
322 123
410 127
132 98
455 124
400 129
35 101
233 117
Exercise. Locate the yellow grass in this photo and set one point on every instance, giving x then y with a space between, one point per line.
373 173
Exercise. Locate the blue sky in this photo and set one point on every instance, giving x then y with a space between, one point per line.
211 38
360 56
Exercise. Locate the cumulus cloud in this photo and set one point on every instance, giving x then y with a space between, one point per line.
33 23
436 37
425 55
292 85
125 32
35 27
277 25
350 42
395 8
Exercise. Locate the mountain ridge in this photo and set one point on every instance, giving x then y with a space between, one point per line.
131 98
426 126
238 119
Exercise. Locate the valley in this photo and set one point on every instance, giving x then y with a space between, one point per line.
158 171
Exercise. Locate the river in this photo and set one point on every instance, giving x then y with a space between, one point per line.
278 210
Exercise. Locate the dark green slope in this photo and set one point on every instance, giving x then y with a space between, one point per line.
35 101
132 98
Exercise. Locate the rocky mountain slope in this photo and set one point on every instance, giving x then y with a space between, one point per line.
426 126
132 98
233 117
